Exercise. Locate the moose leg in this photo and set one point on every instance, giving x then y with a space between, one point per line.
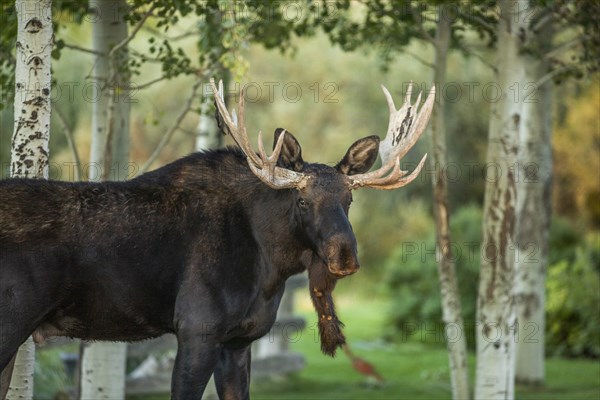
195 362
232 375
5 377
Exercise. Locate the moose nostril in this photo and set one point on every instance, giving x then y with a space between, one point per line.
341 257
351 265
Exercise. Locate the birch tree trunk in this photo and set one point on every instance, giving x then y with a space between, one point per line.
110 114
496 303
451 307
534 210
103 364
209 137
29 154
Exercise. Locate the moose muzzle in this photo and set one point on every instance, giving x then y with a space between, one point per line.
341 255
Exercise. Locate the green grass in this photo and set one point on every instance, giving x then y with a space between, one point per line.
412 369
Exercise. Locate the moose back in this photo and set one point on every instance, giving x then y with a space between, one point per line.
200 248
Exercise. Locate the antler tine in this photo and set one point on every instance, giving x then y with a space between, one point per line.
278 146
403 181
397 178
263 166
237 128
270 162
221 91
234 117
389 99
242 133
405 127
241 117
408 93
418 102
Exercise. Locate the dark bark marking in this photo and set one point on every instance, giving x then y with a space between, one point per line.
34 25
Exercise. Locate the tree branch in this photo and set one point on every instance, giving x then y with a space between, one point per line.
478 56
134 32
476 20
149 83
145 57
426 36
70 140
419 59
562 47
192 32
552 74
82 49
542 21
165 139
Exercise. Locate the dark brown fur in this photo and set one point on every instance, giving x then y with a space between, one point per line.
199 248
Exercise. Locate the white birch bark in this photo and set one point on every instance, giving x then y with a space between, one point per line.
534 211
110 113
208 137
451 307
29 154
103 364
29 157
496 302
21 383
103 371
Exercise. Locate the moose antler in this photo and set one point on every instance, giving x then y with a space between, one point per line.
405 127
263 166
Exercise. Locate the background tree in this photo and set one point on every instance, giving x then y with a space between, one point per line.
534 197
211 46
547 60
451 305
392 26
103 364
495 303
29 151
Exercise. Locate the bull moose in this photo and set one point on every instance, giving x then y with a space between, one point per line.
201 248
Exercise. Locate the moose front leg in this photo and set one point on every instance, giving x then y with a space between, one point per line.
195 362
232 375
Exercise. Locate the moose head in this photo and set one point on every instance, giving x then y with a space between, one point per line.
322 194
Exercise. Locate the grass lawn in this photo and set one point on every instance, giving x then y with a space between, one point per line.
412 369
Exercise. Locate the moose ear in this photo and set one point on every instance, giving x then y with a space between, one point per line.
291 152
360 157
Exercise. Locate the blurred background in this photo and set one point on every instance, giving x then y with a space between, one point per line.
328 98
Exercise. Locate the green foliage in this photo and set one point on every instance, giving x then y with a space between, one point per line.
573 284
563 241
50 378
8 36
572 318
413 277
388 27
580 19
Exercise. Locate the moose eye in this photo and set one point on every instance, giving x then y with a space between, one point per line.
302 203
